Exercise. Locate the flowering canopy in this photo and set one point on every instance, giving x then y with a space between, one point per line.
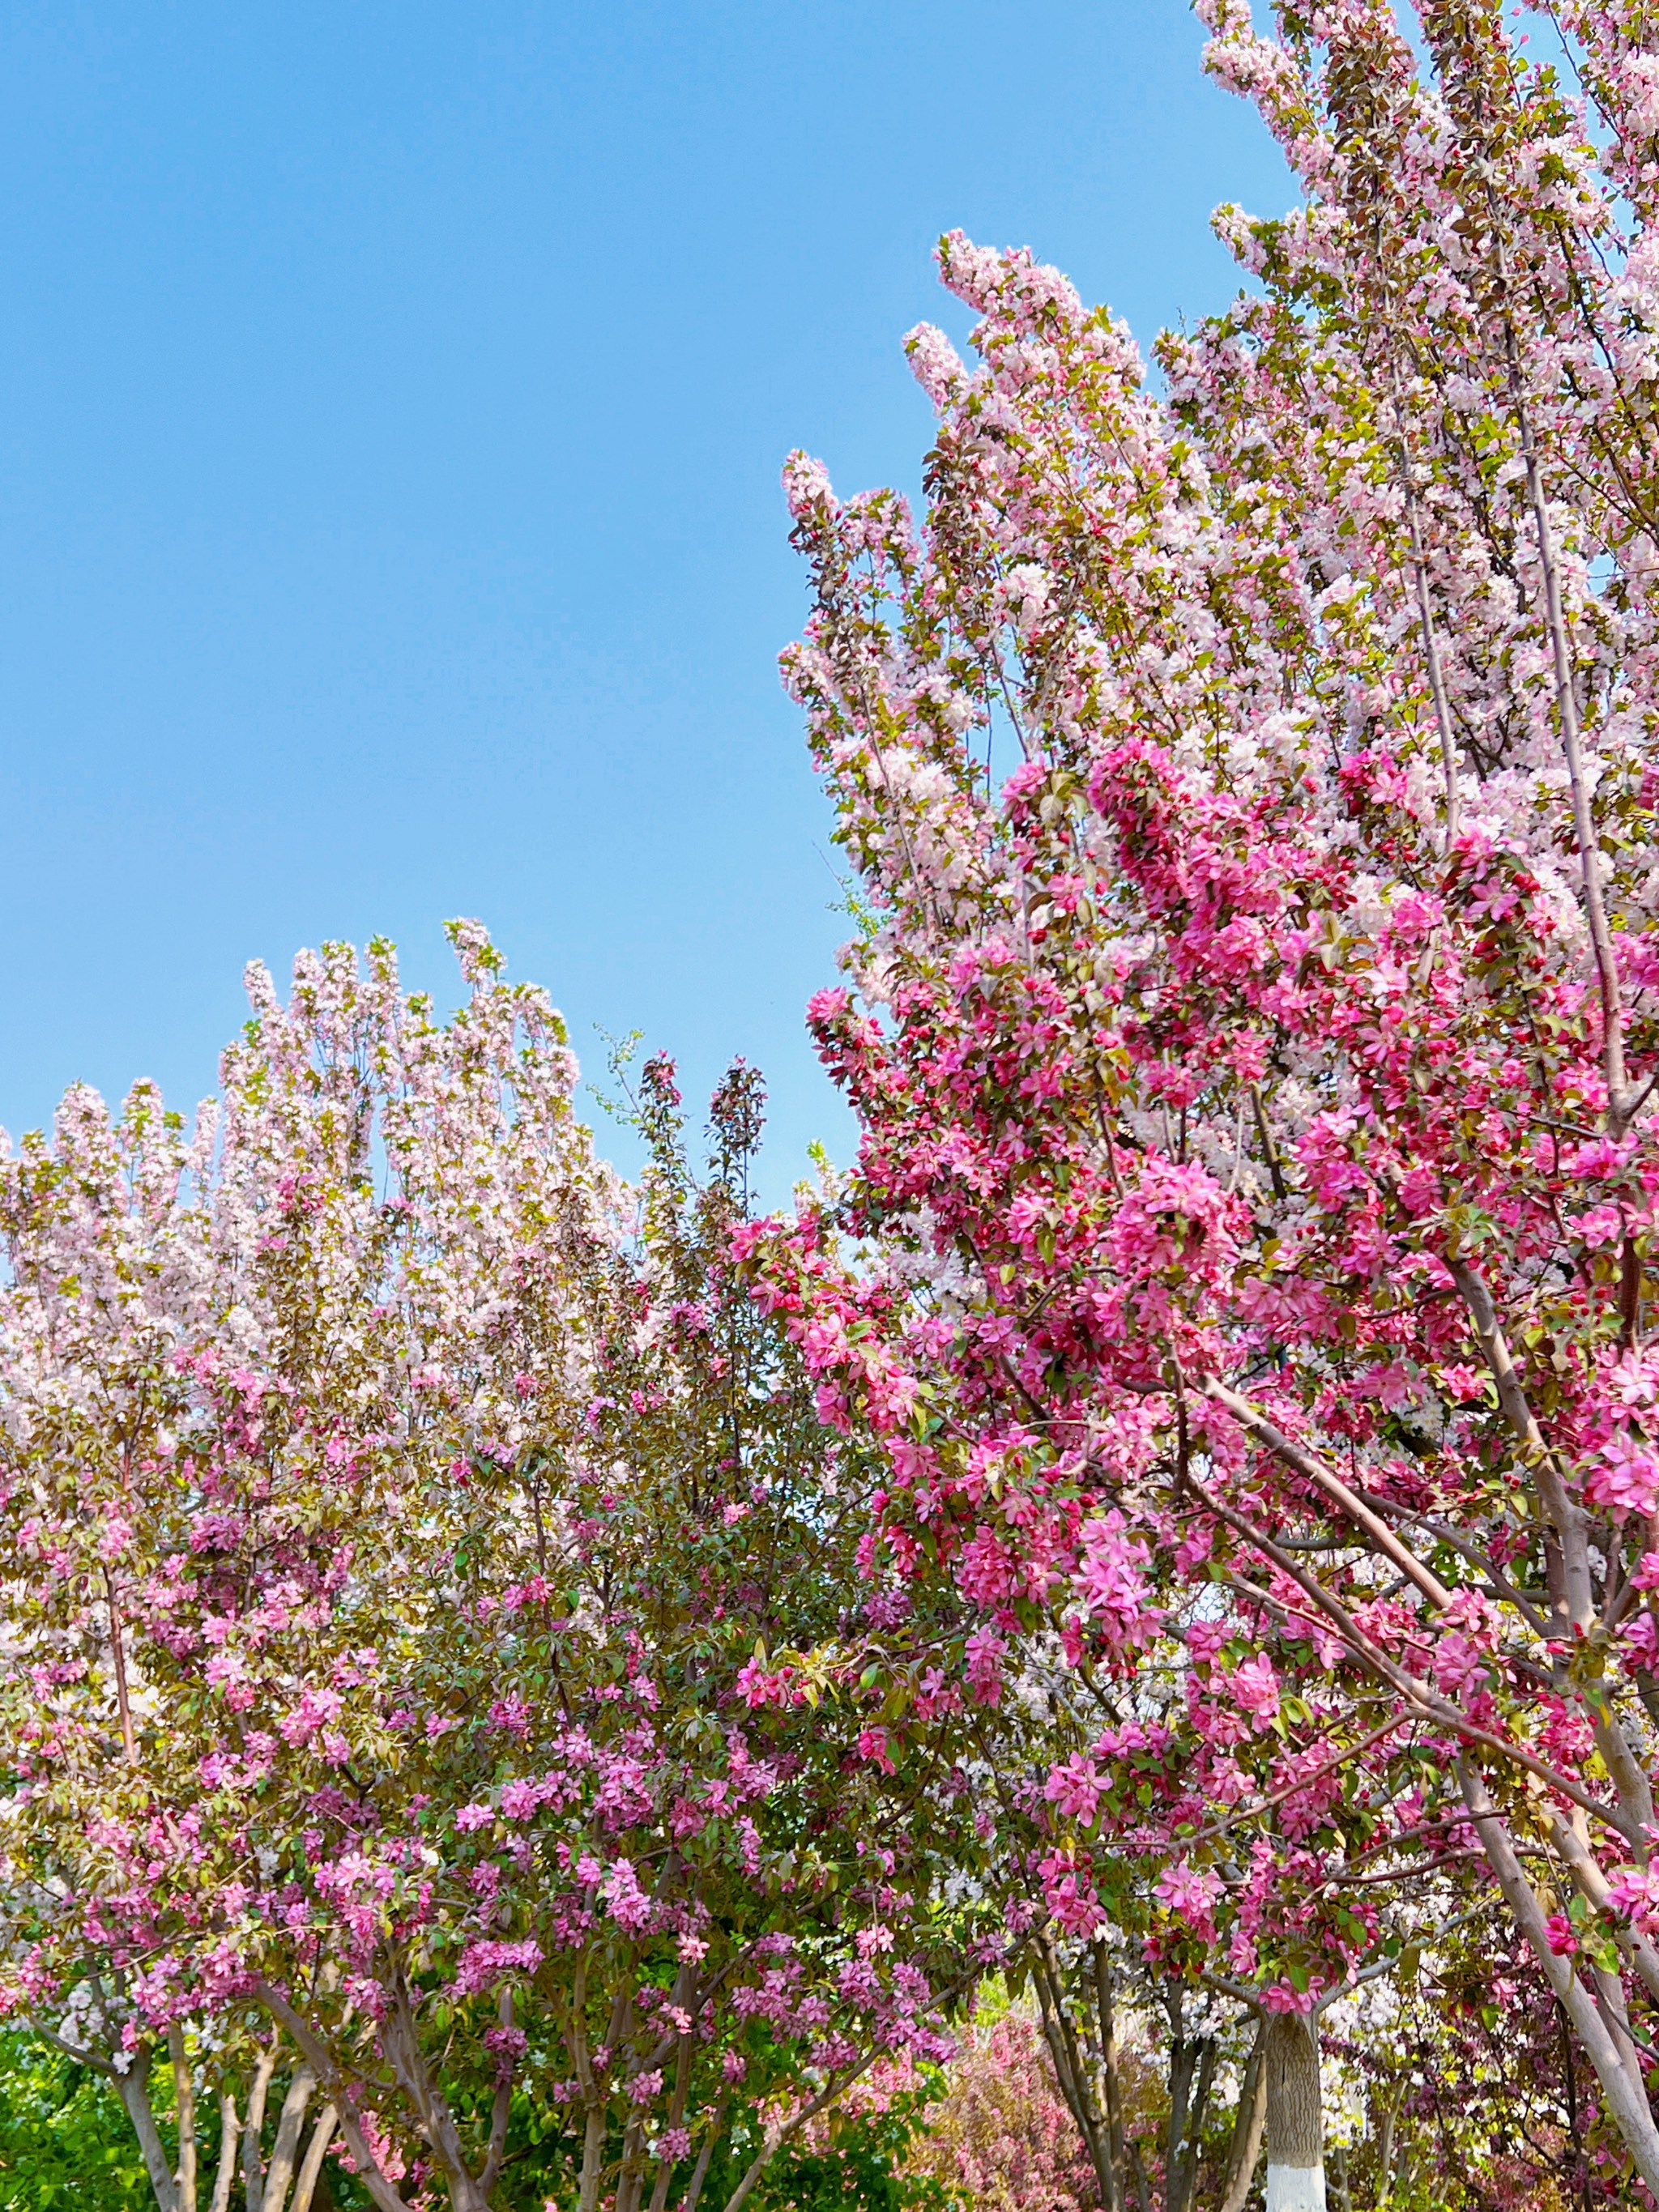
1253 1083
397 1521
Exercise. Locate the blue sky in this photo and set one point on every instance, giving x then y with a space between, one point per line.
392 402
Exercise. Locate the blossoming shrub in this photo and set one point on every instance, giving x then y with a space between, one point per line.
1001 2139
399 1521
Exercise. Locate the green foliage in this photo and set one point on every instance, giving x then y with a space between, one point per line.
857 2158
63 2137
862 2176
861 2163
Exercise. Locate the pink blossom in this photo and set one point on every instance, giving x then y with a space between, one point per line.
1457 1666
1191 1894
985 1653
1625 1476
1077 1788
934 362
316 1708
872 1745
1254 1686
1563 1941
805 484
483 1964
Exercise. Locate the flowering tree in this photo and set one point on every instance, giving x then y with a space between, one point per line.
1471 2092
399 1521
1251 791
1140 2054
1001 2140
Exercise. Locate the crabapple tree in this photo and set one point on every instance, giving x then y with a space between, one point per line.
399 1516
1250 787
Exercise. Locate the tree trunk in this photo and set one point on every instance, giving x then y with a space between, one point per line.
1248 2127
1182 2178
253 2129
285 2148
631 2180
1341 2196
133 2089
587 2198
1183 2059
184 2094
1112 2088
1138 2168
316 2056
1385 2147
311 2167
676 2110
700 2172
1071 2072
230 2136
1296 2154
1192 2064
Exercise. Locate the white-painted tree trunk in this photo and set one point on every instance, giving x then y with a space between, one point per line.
1296 2134
1296 2188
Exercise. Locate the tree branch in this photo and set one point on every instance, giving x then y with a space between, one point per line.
1347 1502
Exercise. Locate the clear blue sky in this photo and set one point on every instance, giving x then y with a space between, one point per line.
392 402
